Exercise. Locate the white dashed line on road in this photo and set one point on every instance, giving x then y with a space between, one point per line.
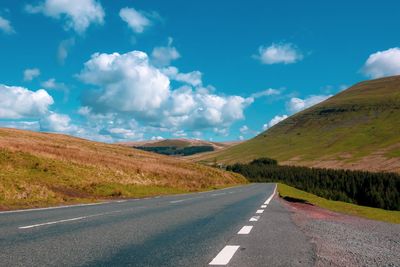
254 219
224 256
259 211
245 230
263 206
218 194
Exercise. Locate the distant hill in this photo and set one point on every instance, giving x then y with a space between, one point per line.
179 147
40 169
358 128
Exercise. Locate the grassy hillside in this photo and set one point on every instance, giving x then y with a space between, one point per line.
358 128
39 169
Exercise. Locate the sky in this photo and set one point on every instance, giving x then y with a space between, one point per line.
222 70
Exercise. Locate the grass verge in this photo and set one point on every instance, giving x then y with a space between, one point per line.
338 206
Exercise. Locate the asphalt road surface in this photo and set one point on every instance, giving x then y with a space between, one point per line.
238 226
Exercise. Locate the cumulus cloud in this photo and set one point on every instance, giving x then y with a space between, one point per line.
131 87
135 19
5 26
77 14
54 85
279 54
193 78
383 63
128 82
164 55
157 138
19 102
30 74
297 104
273 121
55 122
63 49
244 129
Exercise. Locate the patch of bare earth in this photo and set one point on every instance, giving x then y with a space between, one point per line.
376 161
342 240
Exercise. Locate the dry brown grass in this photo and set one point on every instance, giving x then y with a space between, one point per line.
43 168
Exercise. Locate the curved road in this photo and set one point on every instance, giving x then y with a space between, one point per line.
239 226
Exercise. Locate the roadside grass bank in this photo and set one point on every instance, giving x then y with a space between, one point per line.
338 206
42 169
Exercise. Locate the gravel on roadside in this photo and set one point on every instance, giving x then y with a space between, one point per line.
343 240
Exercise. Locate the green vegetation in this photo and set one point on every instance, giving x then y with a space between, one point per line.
338 206
353 129
176 151
39 169
379 190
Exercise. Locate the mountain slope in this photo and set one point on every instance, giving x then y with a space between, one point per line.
358 128
39 169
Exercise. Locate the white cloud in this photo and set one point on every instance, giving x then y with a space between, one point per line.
24 125
30 74
266 92
136 20
383 63
273 121
157 138
244 129
5 26
192 78
128 82
78 14
179 134
54 85
55 122
63 49
164 55
279 53
129 86
297 104
19 102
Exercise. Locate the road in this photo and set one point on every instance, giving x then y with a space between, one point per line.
238 226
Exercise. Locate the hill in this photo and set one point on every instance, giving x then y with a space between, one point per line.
179 147
40 169
359 128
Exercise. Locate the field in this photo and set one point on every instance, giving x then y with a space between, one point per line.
338 206
41 169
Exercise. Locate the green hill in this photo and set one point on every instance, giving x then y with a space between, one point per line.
359 128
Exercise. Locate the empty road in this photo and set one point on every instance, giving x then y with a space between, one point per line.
238 226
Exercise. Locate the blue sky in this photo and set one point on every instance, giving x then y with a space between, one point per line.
221 70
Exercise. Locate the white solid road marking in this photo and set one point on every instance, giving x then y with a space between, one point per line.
254 218
181 200
263 206
224 256
70 220
49 223
259 211
270 198
245 230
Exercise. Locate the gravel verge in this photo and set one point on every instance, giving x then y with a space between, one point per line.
342 240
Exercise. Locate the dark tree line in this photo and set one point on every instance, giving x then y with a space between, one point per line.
177 151
379 190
